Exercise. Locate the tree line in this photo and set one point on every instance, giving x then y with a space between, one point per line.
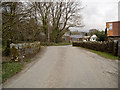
39 21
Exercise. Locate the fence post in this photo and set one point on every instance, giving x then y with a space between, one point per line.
119 48
115 49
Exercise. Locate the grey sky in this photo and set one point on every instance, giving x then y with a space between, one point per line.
97 12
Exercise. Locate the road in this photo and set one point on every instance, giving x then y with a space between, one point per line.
68 67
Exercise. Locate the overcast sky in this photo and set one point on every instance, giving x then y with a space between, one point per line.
97 12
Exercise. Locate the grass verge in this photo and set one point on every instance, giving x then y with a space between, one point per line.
104 54
54 44
10 68
61 44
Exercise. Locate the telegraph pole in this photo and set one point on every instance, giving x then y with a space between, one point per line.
48 34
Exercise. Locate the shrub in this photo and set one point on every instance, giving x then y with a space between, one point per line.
28 46
15 54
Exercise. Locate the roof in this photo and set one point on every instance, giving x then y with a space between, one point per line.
93 36
113 22
76 36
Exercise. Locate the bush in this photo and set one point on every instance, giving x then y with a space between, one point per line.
15 54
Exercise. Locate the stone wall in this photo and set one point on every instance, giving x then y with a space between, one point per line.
22 50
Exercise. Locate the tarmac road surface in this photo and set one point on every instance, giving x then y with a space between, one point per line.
68 67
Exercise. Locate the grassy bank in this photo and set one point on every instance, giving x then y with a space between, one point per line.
104 54
10 68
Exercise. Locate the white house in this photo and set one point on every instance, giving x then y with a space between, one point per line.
93 38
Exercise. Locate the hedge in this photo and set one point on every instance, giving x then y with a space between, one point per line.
106 46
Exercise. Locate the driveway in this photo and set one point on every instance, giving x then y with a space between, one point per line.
68 67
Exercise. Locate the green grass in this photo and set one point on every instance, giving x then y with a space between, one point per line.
3 48
10 68
27 60
54 44
104 54
61 44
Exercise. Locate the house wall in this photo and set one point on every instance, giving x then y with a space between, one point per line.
113 28
76 39
116 29
67 38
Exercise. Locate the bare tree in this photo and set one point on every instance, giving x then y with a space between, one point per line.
31 18
42 13
57 17
12 13
64 16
